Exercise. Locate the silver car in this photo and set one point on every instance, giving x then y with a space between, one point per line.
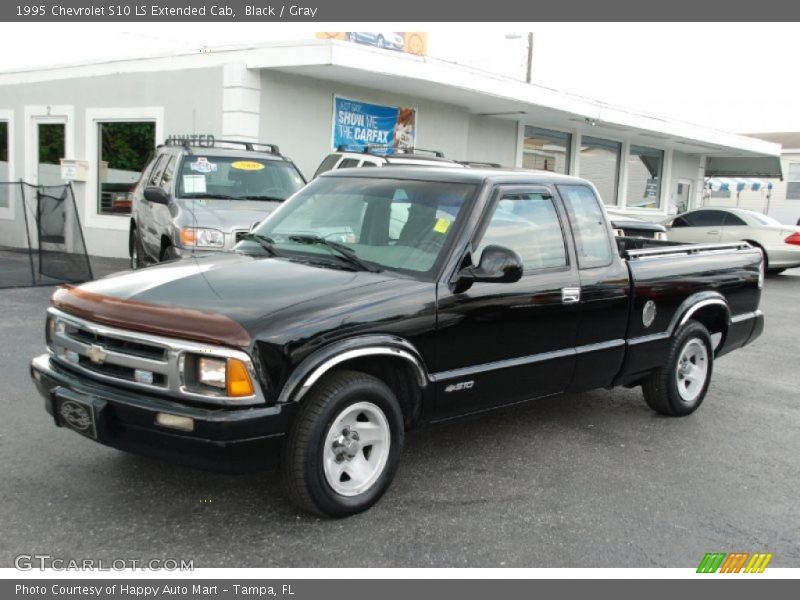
779 243
201 198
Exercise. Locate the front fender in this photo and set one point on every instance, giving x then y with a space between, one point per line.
323 360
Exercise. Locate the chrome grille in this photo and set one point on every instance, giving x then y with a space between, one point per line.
136 360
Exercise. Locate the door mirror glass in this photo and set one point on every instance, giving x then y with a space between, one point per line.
156 195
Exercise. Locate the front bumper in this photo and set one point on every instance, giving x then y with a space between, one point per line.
222 439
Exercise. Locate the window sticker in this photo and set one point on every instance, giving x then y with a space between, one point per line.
247 165
201 165
194 184
442 225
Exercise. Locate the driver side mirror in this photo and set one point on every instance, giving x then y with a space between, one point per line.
496 265
156 195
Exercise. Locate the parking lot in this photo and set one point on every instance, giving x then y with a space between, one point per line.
590 480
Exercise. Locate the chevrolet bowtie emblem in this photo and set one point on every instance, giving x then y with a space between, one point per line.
96 354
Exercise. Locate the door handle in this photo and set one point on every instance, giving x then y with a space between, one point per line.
570 295
715 232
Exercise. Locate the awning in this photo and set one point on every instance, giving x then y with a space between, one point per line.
744 166
737 184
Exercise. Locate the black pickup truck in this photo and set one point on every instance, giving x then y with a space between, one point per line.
371 303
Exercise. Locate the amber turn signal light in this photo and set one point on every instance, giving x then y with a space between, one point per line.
238 379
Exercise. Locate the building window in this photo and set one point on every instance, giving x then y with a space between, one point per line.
123 148
4 170
793 182
599 163
546 150
645 166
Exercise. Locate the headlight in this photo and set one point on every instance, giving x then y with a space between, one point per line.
214 376
661 236
200 237
212 371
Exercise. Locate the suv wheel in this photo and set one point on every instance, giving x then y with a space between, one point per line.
168 253
679 387
137 254
344 447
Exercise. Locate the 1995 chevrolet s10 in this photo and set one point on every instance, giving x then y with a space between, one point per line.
374 301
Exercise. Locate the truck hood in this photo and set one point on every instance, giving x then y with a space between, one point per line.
246 289
227 215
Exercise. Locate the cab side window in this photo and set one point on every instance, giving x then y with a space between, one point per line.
527 223
347 163
589 227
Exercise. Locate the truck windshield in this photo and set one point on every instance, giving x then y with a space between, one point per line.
237 178
383 223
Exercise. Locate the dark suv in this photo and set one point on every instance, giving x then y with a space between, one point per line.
192 198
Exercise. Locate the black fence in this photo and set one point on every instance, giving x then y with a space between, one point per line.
46 245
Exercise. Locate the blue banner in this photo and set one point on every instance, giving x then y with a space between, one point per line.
360 124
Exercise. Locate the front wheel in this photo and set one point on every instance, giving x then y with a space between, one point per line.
679 386
136 250
344 447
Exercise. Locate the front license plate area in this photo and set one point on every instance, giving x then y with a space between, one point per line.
76 414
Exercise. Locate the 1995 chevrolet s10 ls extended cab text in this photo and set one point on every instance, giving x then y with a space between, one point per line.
372 302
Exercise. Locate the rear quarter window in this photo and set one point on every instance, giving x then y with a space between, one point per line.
589 226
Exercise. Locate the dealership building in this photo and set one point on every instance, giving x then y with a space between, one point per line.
59 123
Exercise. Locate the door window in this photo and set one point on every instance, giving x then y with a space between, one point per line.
123 149
527 223
347 163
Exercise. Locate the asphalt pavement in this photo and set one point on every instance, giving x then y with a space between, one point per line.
588 480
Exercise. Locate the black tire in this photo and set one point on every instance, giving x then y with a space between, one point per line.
168 253
303 457
661 388
775 271
136 250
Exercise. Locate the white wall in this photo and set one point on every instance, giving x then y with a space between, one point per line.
191 101
297 114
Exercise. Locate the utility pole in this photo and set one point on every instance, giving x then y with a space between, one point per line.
529 68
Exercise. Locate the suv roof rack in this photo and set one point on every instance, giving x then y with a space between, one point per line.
190 142
383 150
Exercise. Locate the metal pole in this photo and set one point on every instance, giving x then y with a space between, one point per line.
27 230
529 70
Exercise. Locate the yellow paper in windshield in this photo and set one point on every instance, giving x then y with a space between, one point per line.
442 225
247 165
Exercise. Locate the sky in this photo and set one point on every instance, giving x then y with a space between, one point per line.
734 77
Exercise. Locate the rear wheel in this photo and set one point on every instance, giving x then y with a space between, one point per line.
775 271
680 385
344 447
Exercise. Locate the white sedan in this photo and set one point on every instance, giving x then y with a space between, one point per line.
779 243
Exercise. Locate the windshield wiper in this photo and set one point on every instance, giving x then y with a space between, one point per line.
210 196
261 197
344 251
267 243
